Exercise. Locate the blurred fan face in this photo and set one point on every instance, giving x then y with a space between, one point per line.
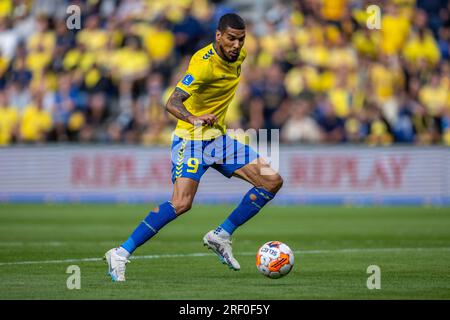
230 43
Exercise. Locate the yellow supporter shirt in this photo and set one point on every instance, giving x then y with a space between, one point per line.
211 83
333 9
128 62
406 7
47 40
6 7
34 123
3 65
300 35
251 43
317 55
270 43
434 99
38 60
360 15
448 102
340 98
379 134
384 81
201 9
343 56
159 44
93 39
415 49
366 43
325 81
234 110
294 81
312 78
394 30
8 120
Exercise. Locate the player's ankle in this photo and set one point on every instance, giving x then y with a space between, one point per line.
222 233
122 252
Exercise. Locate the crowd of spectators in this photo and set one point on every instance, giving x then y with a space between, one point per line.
314 70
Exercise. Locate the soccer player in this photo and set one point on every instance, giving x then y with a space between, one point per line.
200 102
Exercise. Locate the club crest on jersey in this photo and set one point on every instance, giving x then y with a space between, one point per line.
187 80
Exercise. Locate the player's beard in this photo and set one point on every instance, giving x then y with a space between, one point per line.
222 49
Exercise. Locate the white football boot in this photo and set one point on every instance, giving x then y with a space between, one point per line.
221 247
116 265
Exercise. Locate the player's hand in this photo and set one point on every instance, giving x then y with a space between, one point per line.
208 119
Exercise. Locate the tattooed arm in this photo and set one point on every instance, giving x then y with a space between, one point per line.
176 107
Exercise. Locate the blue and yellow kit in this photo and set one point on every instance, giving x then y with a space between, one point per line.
211 83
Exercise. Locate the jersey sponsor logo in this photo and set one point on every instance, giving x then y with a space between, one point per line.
207 55
187 80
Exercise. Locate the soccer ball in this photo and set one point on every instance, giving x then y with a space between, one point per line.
274 259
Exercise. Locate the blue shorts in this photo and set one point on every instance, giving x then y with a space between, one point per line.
191 158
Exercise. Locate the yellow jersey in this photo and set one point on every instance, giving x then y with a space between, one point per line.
211 83
8 120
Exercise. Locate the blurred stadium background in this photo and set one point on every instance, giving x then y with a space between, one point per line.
364 119
364 114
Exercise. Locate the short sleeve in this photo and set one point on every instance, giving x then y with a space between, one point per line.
194 77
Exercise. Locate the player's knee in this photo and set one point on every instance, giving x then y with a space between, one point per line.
273 183
182 206
278 183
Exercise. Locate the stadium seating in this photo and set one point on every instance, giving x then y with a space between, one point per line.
314 70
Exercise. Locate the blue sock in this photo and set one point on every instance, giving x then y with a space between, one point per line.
253 201
150 226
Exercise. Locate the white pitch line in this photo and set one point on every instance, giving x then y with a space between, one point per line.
37 244
188 255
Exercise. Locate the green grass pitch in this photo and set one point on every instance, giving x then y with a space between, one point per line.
333 248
